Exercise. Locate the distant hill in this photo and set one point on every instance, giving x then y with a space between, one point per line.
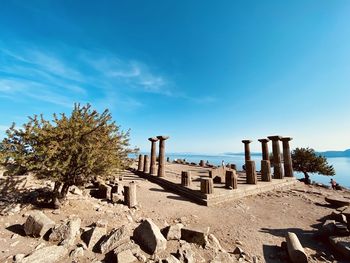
252 154
345 153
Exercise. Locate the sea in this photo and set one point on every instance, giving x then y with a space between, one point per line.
340 164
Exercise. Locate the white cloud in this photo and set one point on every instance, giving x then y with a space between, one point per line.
46 76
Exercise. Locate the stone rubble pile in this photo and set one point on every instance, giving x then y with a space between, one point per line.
68 241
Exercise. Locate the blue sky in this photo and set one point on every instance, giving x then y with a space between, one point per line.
206 73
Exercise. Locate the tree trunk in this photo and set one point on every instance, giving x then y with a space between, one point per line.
56 193
64 190
307 178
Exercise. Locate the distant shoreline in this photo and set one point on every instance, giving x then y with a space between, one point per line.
328 154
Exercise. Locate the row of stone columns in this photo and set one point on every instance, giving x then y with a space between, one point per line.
279 173
148 165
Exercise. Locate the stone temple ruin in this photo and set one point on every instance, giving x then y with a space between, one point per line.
207 184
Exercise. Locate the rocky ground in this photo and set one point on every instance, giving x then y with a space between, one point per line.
247 230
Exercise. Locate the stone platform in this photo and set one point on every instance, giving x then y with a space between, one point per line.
172 182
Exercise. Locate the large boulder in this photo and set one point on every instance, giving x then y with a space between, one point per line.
65 233
37 224
115 238
46 254
149 237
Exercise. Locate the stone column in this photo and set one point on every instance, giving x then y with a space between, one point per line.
146 164
251 172
153 168
186 178
287 158
264 148
161 162
140 165
207 186
277 165
265 162
265 171
231 179
246 150
130 195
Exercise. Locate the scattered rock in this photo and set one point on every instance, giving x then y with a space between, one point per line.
66 232
41 245
101 223
149 237
185 253
172 232
213 243
171 259
105 191
195 236
47 254
222 257
126 256
238 251
37 224
92 236
135 249
115 238
337 201
341 245
328 228
77 252
75 190
18 257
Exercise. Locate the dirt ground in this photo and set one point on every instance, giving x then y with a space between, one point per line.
258 224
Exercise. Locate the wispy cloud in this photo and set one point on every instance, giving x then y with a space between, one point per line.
59 78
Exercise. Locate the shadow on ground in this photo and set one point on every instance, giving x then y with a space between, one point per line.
13 193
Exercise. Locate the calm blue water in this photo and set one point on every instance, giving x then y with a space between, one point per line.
341 165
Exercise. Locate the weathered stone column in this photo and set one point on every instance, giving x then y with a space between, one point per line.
246 150
287 158
207 186
130 195
251 172
146 164
161 162
265 171
231 179
264 148
265 162
186 178
140 165
277 166
153 168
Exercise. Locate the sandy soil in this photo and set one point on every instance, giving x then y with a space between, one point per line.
257 224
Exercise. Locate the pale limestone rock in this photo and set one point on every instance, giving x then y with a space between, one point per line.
149 237
47 254
37 224
126 256
115 238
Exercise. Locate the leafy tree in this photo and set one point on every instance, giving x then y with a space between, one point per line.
306 160
68 150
